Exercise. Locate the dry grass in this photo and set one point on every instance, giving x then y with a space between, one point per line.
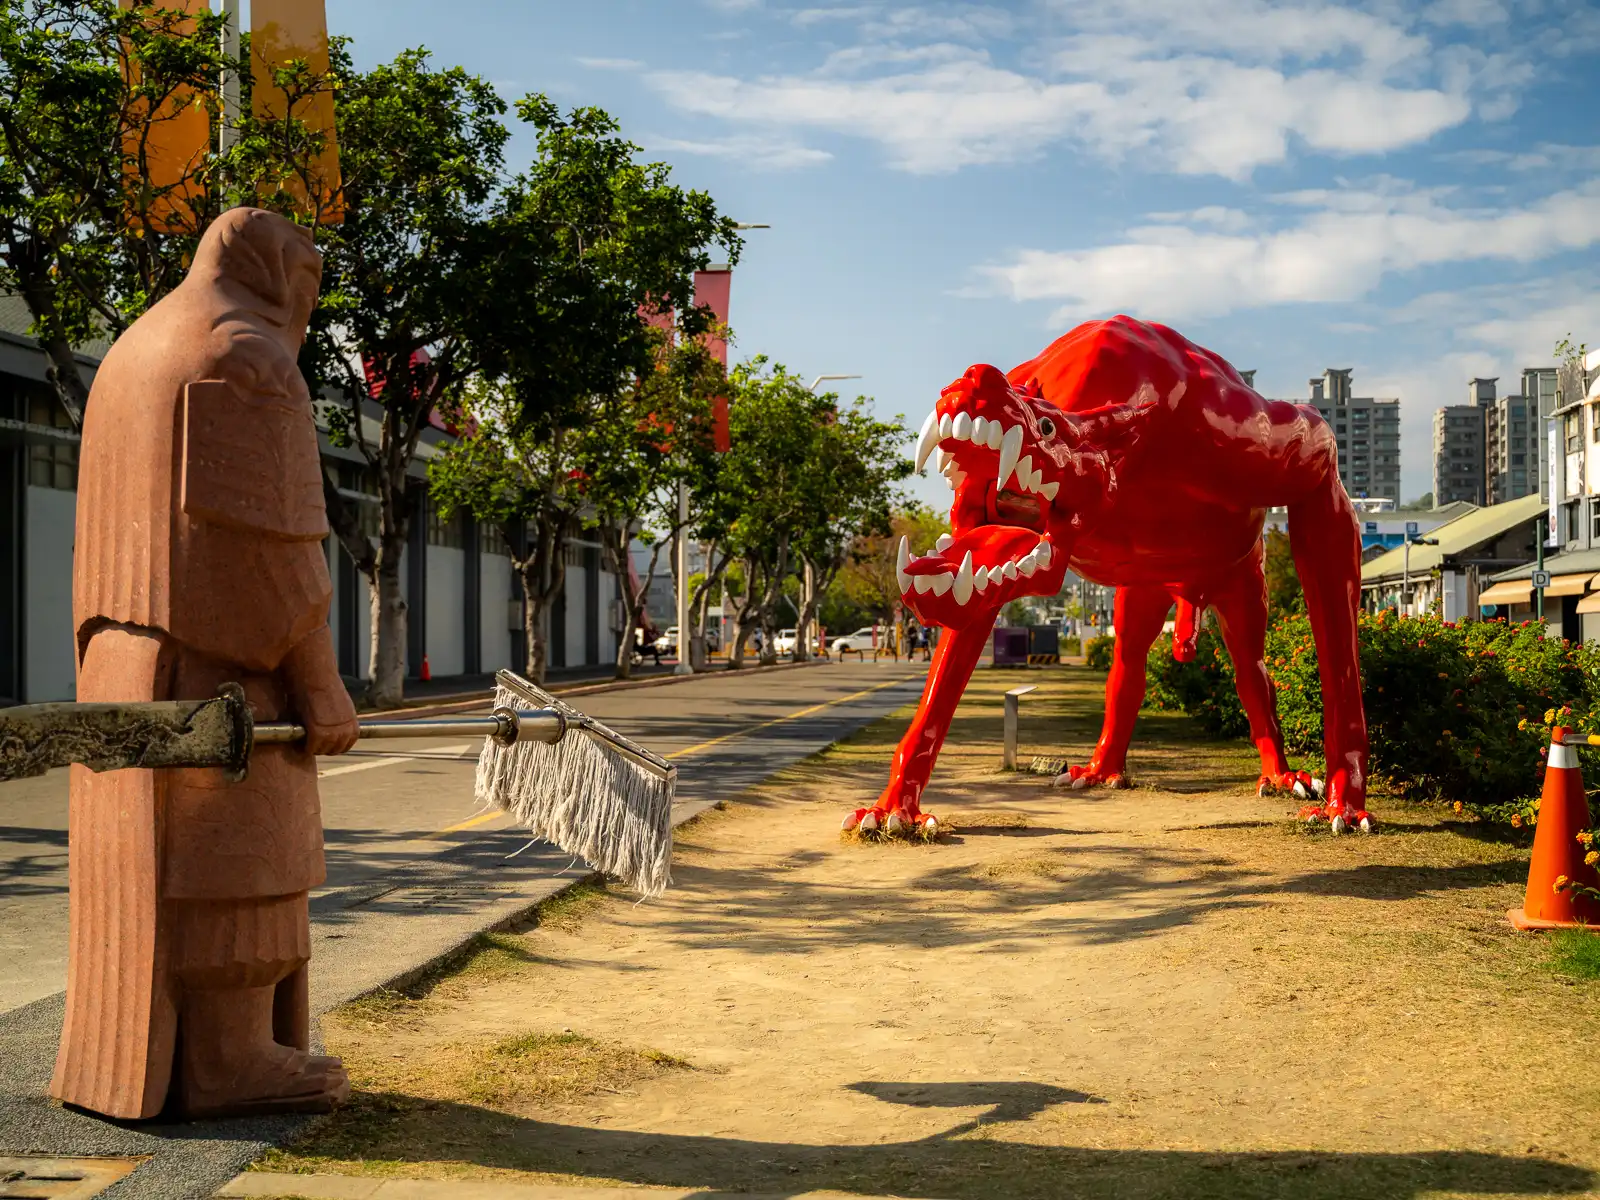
1162 993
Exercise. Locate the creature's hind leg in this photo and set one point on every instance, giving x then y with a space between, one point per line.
1140 614
1326 542
1241 606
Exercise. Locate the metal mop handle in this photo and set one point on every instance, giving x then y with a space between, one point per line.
507 726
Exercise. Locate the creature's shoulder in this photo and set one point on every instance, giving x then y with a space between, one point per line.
1123 361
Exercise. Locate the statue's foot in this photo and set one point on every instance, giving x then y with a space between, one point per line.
1300 784
278 1080
892 823
1091 775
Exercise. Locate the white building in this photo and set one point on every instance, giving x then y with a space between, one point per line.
465 610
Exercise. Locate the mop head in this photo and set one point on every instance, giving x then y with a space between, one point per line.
581 794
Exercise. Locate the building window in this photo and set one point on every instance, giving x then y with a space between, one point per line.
1594 424
1594 519
1573 427
446 531
53 464
492 541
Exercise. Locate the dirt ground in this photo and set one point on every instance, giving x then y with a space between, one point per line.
1173 991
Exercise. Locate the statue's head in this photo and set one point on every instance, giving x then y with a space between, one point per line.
1027 477
268 261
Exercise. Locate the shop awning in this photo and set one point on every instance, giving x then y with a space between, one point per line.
1512 591
1568 585
1590 603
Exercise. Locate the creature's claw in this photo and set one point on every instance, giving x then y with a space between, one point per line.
1300 783
1339 818
1091 775
895 824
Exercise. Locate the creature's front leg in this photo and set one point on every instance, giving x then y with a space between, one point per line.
899 808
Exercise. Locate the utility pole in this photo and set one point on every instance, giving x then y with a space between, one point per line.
228 133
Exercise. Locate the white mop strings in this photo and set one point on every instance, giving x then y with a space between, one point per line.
587 799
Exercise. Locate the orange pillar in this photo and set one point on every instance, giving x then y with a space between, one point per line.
282 31
165 152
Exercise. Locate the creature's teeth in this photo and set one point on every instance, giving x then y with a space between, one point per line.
1010 448
980 430
962 588
941 583
946 424
942 460
1037 485
1043 551
928 439
982 579
1049 490
996 435
902 561
1027 564
943 542
1009 571
1024 472
961 427
922 583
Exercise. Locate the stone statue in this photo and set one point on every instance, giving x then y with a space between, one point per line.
200 561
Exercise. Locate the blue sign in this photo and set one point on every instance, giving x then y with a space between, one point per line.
1372 527
1411 529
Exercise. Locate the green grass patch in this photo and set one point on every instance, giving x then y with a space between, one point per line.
1575 952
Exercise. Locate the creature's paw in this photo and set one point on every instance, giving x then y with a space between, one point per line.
1090 775
1298 783
877 822
1344 805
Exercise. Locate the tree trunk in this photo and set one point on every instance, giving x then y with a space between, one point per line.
541 565
700 606
387 667
769 604
743 611
615 540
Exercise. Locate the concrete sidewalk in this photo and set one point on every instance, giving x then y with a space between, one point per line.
268 1186
386 929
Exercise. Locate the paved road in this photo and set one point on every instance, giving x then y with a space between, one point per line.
412 873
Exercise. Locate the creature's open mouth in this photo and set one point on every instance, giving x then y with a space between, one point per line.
1015 508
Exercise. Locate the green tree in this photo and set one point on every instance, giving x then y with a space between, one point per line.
869 577
594 261
395 334
1284 594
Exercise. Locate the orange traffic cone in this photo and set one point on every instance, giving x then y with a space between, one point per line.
1557 855
426 673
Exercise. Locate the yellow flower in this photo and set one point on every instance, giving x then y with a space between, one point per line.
1522 724
1592 857
1458 806
1446 733
1516 820
1549 715
1561 882
1585 839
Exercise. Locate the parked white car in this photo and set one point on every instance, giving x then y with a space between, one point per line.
667 643
861 639
784 643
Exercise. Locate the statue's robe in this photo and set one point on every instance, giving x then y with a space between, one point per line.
198 560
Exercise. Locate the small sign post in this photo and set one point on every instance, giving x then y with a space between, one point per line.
1541 580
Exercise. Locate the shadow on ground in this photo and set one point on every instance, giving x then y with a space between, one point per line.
975 1160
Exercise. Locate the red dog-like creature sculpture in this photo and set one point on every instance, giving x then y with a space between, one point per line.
1140 460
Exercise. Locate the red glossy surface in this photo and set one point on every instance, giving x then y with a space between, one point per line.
1147 463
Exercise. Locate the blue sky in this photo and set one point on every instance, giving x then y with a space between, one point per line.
1411 190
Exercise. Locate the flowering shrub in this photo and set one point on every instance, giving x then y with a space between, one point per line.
1453 711
1097 653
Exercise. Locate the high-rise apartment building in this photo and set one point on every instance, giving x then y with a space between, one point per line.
1367 431
1458 446
1516 451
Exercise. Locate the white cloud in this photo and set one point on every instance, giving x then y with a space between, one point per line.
1218 87
1339 251
768 153
1544 155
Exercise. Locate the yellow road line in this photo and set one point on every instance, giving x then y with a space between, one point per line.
804 712
469 823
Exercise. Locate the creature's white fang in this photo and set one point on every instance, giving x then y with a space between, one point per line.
961 428
928 439
901 563
943 542
962 588
1010 449
941 583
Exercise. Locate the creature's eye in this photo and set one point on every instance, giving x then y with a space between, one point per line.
1047 427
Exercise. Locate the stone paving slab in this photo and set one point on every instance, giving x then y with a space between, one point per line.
269 1186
